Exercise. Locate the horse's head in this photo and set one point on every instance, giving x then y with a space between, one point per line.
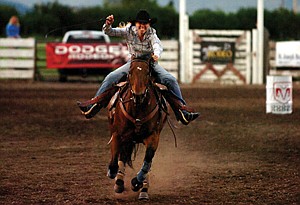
139 77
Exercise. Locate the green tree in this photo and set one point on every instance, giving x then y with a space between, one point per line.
247 18
207 19
281 23
45 17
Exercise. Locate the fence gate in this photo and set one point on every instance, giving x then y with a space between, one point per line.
17 58
219 56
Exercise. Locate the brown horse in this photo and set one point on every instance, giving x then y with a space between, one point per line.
136 118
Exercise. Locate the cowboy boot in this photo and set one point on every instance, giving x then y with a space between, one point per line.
183 113
89 111
91 107
186 116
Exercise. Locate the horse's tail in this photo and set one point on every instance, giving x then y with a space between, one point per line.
129 150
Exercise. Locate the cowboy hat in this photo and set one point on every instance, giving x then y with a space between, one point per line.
143 17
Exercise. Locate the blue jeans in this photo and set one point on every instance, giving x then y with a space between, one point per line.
162 76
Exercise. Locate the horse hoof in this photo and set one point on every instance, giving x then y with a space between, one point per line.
144 196
119 186
112 171
111 175
136 185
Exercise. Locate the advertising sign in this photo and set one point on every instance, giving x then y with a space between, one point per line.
85 55
288 54
217 52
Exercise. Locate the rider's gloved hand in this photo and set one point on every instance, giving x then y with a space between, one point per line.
109 20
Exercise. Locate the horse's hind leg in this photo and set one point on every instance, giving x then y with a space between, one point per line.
119 184
151 143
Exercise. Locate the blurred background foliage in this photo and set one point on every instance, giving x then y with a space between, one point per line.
282 24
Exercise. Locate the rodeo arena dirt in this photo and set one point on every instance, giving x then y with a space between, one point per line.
234 153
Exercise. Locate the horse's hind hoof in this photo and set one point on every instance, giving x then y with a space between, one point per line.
119 186
136 185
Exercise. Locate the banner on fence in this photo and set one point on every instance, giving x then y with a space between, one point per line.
86 55
288 54
217 52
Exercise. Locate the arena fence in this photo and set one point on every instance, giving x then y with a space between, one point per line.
17 58
170 57
24 58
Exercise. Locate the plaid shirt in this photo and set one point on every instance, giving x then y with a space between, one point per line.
150 44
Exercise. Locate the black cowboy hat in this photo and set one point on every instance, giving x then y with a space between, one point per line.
143 17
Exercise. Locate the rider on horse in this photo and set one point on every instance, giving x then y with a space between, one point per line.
141 39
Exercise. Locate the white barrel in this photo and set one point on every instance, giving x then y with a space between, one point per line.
279 94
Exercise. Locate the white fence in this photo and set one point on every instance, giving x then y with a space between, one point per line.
17 58
170 57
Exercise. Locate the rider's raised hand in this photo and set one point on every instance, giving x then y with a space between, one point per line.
155 57
109 20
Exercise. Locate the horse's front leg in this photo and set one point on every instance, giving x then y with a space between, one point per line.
115 151
151 144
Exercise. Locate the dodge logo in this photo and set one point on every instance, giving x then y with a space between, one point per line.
282 92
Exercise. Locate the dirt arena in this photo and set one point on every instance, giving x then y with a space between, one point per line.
234 154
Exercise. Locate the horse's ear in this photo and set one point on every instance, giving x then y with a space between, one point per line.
132 56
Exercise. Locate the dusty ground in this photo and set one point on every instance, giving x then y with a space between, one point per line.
234 154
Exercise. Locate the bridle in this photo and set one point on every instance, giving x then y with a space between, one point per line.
139 98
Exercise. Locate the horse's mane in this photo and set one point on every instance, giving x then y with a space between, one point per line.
145 57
